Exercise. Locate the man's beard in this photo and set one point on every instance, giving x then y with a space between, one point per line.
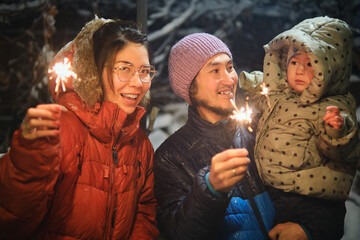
217 110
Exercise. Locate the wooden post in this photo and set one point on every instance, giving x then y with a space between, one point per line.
141 14
141 20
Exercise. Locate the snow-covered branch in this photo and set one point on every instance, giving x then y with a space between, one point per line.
174 23
16 7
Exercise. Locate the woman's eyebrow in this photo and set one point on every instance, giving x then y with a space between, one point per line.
120 61
129 63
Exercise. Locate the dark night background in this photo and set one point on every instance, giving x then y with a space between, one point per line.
32 31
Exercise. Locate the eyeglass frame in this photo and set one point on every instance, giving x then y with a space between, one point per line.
134 72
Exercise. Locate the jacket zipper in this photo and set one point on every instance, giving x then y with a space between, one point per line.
111 195
114 213
116 161
115 156
111 210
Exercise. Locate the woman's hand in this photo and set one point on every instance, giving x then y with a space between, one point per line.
42 121
333 117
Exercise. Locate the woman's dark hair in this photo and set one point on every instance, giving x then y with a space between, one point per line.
112 37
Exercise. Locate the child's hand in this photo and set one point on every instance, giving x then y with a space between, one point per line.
333 117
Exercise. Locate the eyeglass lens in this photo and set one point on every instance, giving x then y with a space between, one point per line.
126 71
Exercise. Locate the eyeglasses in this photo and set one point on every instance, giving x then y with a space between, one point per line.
126 71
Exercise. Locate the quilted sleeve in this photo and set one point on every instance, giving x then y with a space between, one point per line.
28 173
340 144
252 84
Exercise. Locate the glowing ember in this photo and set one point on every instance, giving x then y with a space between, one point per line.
265 92
63 72
242 115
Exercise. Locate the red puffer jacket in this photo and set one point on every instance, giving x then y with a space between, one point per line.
94 182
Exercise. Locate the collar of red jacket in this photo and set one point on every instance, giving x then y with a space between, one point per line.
105 121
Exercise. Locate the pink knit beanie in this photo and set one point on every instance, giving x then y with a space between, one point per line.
188 56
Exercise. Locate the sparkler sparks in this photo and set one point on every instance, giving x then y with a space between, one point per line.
63 72
265 92
242 115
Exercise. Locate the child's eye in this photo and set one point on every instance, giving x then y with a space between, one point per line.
309 64
293 62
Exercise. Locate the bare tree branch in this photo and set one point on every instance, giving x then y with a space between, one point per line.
161 13
174 23
25 5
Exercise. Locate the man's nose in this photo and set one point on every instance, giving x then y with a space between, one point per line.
228 78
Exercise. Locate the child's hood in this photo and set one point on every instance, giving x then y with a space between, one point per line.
328 43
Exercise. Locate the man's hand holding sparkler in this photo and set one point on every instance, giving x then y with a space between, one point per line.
227 168
42 121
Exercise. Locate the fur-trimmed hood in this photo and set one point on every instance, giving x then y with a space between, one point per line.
80 54
328 43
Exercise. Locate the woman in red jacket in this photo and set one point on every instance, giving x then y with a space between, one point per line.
82 168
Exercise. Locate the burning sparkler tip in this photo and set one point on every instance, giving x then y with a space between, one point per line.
63 72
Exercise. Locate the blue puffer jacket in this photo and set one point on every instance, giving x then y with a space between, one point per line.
187 207
240 221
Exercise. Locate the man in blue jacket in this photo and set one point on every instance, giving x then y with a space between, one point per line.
206 183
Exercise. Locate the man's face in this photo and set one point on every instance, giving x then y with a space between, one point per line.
216 84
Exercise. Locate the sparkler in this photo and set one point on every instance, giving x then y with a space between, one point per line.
242 115
63 72
265 92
